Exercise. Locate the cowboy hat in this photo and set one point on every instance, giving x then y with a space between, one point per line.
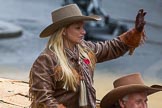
125 85
64 16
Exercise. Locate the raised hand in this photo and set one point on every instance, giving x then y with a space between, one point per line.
140 21
136 36
139 26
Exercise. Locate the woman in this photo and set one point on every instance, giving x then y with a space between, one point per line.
62 76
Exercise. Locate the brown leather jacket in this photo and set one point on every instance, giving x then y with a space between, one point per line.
46 92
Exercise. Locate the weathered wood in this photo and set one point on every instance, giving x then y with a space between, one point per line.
14 94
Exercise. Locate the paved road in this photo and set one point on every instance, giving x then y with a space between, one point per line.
17 55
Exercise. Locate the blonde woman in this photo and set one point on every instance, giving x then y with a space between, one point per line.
62 76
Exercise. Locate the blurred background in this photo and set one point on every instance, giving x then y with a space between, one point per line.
21 21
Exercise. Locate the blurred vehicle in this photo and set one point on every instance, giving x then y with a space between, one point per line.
102 30
9 30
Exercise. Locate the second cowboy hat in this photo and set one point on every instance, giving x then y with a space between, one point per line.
64 16
125 85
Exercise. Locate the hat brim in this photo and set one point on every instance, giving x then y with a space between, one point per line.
110 98
55 26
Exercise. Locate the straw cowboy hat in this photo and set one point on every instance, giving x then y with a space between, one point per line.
125 85
64 16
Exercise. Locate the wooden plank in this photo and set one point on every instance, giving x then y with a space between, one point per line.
13 94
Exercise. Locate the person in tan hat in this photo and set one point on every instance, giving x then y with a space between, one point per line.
62 75
129 92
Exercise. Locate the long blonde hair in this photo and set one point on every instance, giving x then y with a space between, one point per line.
67 73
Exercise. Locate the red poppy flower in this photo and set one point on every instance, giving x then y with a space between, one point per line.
86 61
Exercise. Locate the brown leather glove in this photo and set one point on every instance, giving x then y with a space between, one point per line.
134 37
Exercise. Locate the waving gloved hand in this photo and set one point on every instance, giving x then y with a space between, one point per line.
134 37
140 22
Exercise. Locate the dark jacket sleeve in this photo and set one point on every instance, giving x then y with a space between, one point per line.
107 50
41 84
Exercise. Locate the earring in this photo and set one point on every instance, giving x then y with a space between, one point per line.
63 33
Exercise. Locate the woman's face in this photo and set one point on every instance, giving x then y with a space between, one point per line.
75 33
